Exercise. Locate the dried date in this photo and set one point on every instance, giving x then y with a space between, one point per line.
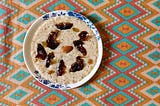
50 56
83 35
64 25
61 68
79 45
52 43
41 53
78 65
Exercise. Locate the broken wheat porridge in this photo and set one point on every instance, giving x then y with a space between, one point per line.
64 50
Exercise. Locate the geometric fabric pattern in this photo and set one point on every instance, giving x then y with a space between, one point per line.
129 74
124 46
121 81
123 63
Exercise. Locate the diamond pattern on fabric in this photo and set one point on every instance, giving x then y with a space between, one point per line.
120 99
19 94
26 18
153 90
127 11
156 38
19 76
19 57
125 29
52 98
124 46
27 2
121 81
155 56
87 90
96 2
157 4
123 64
156 21
154 73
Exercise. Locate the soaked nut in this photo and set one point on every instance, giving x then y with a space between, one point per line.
53 61
75 29
44 43
50 72
90 61
67 49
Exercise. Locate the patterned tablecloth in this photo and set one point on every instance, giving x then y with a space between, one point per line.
130 70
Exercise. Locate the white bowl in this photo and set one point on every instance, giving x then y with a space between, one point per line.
27 49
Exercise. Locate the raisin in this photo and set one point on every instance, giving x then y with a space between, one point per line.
75 29
82 50
61 68
78 65
64 25
90 61
50 56
83 35
44 43
52 43
50 72
54 34
79 45
41 53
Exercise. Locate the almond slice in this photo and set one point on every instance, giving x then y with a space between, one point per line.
67 49
50 72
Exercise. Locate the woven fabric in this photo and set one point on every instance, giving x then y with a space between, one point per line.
130 70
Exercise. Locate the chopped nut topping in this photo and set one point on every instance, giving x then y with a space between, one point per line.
90 61
44 43
67 49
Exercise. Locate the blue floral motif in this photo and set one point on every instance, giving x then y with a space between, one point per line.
53 14
70 13
87 21
46 81
49 83
46 17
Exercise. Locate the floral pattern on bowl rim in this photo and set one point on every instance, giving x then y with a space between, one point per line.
28 60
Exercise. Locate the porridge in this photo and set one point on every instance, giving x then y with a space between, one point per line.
64 50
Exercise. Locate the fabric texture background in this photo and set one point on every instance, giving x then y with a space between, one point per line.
130 70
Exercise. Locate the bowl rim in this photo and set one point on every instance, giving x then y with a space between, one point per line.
86 78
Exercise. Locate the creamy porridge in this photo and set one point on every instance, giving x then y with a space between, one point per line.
64 50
